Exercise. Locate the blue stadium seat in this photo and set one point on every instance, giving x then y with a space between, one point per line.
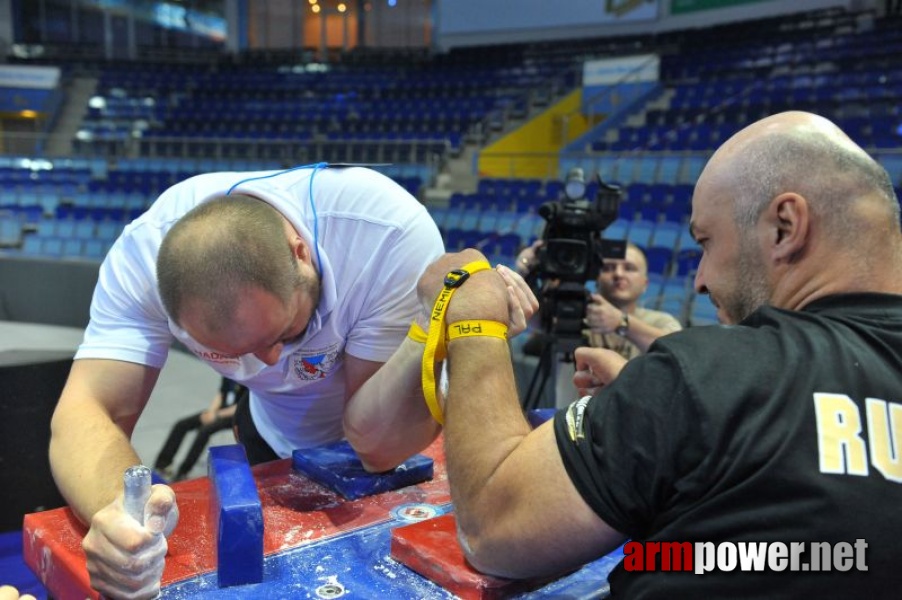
530 226
618 230
31 245
452 217
65 228
674 305
475 239
51 247
703 311
686 240
469 220
691 169
84 230
649 211
72 248
641 232
94 249
667 234
506 222
454 239
653 290
659 193
669 169
659 259
637 193
676 293
687 260
488 221
628 210
10 231
439 214
648 168
46 228
677 215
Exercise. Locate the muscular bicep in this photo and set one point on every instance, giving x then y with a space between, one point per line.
91 427
539 524
115 388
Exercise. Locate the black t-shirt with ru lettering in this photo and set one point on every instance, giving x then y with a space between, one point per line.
785 428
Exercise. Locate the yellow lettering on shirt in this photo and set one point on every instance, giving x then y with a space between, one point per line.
884 432
840 447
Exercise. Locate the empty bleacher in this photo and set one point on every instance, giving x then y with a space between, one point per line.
76 208
151 127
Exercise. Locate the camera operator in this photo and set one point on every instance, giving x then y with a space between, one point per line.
613 316
557 267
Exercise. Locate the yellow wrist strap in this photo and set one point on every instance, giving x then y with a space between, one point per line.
416 333
477 327
435 340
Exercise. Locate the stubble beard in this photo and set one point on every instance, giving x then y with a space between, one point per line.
751 291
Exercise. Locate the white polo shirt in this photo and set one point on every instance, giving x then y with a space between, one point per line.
374 241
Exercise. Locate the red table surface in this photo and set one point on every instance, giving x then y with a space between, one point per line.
296 511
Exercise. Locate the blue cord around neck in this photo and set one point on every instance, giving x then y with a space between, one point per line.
316 167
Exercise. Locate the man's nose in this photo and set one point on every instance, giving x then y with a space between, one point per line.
699 283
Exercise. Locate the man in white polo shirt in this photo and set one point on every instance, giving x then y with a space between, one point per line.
299 284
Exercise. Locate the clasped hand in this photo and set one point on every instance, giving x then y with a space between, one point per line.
124 558
497 295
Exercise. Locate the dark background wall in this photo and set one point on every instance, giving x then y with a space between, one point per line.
52 292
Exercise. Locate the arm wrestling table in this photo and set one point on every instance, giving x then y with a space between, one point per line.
316 544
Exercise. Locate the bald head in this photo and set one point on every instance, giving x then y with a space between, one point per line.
218 250
804 153
789 210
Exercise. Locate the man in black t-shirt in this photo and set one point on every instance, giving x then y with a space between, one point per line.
779 432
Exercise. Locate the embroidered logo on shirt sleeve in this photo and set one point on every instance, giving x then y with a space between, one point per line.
576 418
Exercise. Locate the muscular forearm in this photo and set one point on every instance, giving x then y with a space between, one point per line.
485 424
89 446
642 334
88 455
503 474
386 420
493 456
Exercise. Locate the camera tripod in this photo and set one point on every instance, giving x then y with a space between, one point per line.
552 345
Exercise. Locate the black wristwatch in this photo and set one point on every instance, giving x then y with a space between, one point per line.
624 326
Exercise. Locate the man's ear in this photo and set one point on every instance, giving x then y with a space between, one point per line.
301 249
791 221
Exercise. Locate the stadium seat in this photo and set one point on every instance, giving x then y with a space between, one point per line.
703 311
641 232
667 234
687 261
659 258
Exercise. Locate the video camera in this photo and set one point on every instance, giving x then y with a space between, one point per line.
573 250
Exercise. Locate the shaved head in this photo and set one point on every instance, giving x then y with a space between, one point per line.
791 209
807 154
221 248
